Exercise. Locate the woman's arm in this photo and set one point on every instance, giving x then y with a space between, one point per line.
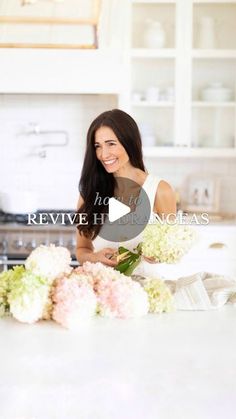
165 200
85 250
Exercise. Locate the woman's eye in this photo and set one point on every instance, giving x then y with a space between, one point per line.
109 144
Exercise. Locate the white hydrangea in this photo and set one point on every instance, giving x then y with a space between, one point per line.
167 243
49 261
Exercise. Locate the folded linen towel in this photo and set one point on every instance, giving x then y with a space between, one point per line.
203 291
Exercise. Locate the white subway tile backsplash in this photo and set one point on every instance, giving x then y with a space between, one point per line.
218 167
175 171
55 177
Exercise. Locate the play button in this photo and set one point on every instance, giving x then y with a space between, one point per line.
117 210
128 211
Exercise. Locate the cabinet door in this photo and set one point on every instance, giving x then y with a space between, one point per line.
214 75
153 72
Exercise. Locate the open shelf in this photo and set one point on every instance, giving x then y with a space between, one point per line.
153 1
192 152
213 1
201 104
143 104
214 53
153 53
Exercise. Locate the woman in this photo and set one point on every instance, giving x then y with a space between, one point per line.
114 151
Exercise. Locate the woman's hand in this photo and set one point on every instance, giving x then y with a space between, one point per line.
106 256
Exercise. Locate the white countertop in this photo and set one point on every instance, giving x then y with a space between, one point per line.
171 366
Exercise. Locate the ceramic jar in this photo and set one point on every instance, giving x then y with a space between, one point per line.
154 35
207 33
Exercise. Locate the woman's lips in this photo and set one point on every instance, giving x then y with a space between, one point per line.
109 162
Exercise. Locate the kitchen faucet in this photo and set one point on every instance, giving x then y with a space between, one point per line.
35 130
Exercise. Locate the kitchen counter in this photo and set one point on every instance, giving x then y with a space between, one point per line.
180 365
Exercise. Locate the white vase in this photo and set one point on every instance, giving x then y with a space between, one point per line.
154 35
207 33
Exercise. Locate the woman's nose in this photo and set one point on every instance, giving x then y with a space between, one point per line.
104 153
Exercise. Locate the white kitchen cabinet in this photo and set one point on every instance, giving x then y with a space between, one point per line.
215 250
183 124
152 70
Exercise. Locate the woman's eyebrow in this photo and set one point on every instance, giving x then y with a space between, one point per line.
106 141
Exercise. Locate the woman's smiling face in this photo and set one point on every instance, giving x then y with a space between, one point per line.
109 151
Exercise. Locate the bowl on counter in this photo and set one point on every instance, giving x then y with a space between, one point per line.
18 201
217 92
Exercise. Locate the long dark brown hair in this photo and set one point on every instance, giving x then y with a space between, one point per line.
95 181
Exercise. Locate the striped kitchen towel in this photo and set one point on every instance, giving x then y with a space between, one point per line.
203 291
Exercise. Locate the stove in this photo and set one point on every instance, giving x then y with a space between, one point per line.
63 217
18 238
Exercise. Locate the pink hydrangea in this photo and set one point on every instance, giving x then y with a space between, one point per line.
74 301
117 295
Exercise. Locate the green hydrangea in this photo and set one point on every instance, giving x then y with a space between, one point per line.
28 294
7 278
159 295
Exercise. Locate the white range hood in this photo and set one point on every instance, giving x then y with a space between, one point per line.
61 71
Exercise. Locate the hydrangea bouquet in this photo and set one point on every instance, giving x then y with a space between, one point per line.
162 242
48 288
167 243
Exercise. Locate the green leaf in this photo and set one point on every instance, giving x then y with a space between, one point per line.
133 264
121 250
122 266
129 263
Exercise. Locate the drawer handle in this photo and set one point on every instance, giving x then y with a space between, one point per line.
217 245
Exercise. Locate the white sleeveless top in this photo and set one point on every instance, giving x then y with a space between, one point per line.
150 186
169 271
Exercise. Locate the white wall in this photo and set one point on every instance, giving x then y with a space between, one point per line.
56 177
176 170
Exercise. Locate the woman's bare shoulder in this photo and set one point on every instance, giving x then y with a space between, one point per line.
165 199
164 188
